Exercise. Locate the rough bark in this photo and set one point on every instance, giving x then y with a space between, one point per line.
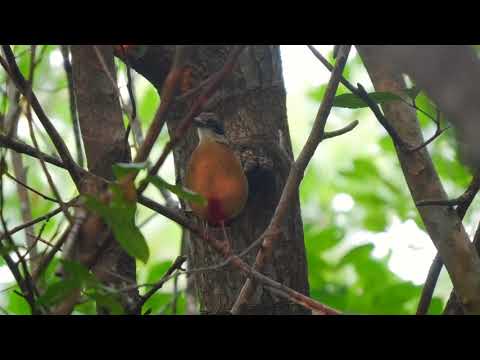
252 104
442 223
103 135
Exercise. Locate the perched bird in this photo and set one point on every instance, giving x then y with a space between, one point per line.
215 172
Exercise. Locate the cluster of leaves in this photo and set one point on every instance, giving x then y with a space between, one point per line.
357 282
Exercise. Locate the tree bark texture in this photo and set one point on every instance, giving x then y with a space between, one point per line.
103 135
442 223
252 104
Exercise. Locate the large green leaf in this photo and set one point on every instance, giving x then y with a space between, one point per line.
158 270
77 277
58 291
178 190
119 214
322 240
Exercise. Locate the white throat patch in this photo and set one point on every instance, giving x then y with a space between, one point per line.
208 134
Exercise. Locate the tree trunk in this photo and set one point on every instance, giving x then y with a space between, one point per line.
103 135
252 104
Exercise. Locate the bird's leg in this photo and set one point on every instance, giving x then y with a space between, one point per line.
225 235
205 229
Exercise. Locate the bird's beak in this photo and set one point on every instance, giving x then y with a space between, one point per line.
198 121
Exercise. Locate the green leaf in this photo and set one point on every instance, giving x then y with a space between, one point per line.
375 220
77 277
58 291
357 255
108 301
119 214
178 190
436 307
79 273
352 101
147 104
158 270
324 239
17 304
122 169
157 302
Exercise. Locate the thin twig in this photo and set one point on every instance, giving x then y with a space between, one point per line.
182 53
177 264
37 220
19 170
30 188
24 282
67 66
22 148
28 113
362 94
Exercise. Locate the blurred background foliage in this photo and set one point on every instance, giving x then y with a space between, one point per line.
366 247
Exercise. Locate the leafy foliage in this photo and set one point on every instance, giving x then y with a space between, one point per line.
343 273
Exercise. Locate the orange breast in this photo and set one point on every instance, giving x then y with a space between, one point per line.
216 173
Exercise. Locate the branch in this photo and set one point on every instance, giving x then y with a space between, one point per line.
463 203
344 130
21 183
177 264
24 282
454 306
295 176
444 227
20 147
223 249
28 114
170 85
11 125
37 220
362 94
67 66
450 75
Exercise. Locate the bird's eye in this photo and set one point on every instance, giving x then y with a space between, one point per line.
219 129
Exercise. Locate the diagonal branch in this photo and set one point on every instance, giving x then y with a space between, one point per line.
444 227
20 147
295 176
362 94
170 85
12 69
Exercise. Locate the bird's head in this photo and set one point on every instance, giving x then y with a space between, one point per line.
209 126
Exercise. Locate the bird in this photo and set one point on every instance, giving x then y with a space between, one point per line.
216 173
